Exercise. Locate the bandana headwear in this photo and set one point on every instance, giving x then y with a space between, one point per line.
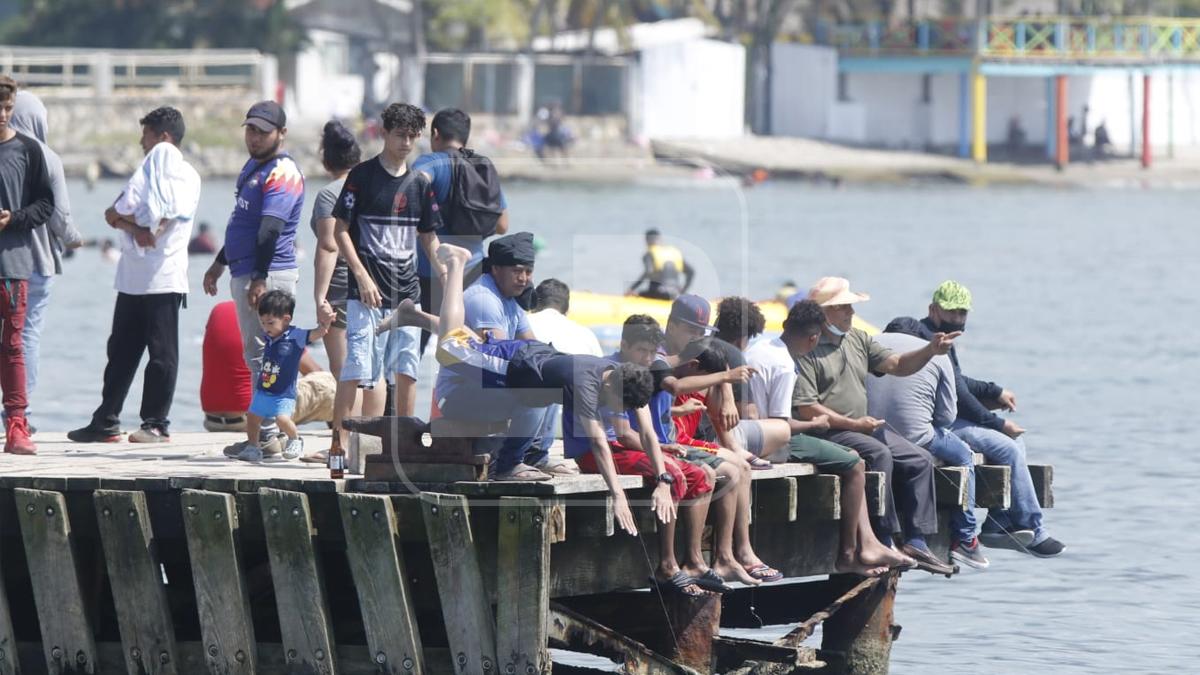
510 250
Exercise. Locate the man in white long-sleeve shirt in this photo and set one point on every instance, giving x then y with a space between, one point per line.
155 215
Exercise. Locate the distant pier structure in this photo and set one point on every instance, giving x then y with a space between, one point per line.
928 82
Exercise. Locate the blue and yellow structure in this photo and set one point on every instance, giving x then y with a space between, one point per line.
1050 47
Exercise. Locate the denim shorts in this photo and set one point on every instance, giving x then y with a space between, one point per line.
267 405
370 356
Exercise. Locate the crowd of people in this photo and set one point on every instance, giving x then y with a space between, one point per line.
695 405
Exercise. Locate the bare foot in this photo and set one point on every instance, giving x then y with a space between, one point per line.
732 571
447 253
882 555
406 314
854 567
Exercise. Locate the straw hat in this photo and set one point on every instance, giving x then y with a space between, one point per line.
831 291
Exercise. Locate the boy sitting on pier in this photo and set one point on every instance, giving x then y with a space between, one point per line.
544 375
275 390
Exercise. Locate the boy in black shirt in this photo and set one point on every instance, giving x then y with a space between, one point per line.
383 213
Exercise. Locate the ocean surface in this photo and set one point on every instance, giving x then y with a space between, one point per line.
1085 306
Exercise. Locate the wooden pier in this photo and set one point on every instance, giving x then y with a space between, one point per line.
174 559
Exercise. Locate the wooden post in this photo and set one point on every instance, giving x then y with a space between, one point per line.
66 632
523 586
1062 133
299 588
144 617
226 627
8 642
979 115
1051 120
860 632
993 487
470 629
381 581
1146 121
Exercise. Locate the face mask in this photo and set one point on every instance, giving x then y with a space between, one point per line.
838 332
525 299
950 327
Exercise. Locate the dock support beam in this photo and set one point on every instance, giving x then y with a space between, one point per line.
964 115
860 634
1062 154
979 115
1146 154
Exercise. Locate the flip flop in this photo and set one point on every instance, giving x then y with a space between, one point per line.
711 581
318 457
765 573
521 472
759 464
678 583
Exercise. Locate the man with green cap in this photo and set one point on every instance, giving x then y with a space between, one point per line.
997 438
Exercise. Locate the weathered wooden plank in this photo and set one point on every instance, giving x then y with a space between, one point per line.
993 486
67 641
470 627
572 630
523 586
147 633
819 497
381 580
951 486
774 500
590 516
876 502
1043 484
211 523
421 472
296 575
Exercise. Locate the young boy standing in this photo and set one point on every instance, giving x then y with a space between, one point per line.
26 202
275 389
382 215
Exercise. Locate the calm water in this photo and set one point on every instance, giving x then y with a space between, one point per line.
1085 306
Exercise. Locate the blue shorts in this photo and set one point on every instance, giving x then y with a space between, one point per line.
267 405
370 356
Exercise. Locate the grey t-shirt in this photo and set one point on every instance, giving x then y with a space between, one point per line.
25 190
323 208
916 404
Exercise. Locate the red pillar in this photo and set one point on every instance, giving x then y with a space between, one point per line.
1062 153
1146 121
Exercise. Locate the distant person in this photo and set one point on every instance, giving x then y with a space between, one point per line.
260 237
662 268
203 242
551 303
785 292
921 408
225 386
339 153
385 211
468 192
275 387
832 382
109 252
999 439
1102 144
50 243
154 214
1015 136
26 203
557 137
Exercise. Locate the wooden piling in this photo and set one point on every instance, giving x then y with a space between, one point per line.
67 641
8 642
147 634
857 638
523 586
211 523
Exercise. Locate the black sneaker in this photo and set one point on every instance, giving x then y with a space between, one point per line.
1048 548
969 553
91 434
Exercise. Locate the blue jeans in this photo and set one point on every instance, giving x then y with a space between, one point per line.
35 316
998 448
955 452
496 405
547 434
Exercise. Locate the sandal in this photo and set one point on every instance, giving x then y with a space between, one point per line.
318 457
765 573
557 467
521 472
759 464
711 581
680 583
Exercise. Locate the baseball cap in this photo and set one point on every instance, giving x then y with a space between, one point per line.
266 116
692 310
951 295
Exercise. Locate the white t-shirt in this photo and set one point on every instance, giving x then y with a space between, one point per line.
774 378
164 187
568 337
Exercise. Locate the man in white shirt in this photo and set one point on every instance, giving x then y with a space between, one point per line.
154 214
552 300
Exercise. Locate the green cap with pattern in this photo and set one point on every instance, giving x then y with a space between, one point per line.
952 295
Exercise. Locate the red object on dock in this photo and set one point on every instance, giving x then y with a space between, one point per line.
1146 155
1062 153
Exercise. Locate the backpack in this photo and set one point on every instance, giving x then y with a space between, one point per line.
474 205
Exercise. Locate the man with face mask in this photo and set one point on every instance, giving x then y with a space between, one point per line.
831 381
997 438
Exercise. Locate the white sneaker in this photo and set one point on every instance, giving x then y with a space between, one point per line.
294 448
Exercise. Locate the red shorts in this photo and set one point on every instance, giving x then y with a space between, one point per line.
690 479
